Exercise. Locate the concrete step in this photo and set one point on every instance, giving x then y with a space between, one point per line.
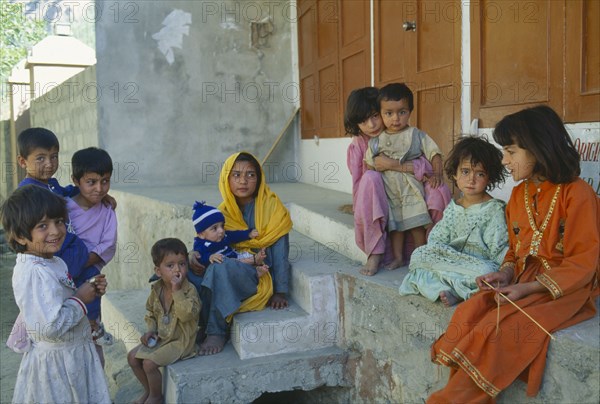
225 378
311 324
335 232
123 314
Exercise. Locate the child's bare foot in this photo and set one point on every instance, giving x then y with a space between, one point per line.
154 400
213 344
259 257
372 265
278 301
261 270
142 399
448 298
395 264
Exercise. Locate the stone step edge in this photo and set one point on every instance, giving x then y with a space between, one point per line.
333 234
226 378
319 328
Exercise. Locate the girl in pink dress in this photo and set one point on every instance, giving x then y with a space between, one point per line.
363 121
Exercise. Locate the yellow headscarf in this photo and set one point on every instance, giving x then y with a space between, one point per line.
272 220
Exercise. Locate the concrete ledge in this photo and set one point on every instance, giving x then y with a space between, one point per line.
335 234
392 335
123 314
224 378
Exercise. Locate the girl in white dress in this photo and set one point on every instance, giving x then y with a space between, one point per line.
61 365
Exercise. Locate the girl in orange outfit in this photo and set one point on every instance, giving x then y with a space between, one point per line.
550 269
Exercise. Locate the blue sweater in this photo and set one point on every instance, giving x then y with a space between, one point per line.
207 248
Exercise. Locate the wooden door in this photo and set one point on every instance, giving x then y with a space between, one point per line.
334 48
318 60
517 53
582 64
427 59
355 49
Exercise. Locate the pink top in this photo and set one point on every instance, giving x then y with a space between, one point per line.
96 227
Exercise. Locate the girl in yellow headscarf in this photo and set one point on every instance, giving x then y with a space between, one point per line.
232 286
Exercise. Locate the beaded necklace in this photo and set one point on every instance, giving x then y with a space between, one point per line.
538 233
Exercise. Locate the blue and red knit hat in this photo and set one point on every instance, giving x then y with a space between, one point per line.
205 216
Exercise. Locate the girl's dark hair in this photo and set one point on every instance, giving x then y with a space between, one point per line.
165 246
396 92
477 150
541 131
243 156
25 208
360 106
91 160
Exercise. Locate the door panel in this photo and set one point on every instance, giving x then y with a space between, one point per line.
517 57
426 59
390 45
355 50
582 103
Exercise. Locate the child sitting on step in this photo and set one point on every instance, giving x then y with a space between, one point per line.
172 313
472 238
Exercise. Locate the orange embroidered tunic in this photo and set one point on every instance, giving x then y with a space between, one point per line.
554 238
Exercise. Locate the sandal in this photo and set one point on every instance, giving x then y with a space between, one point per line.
102 337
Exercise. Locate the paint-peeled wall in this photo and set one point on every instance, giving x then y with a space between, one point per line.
187 83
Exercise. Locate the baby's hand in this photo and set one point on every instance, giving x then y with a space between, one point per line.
176 280
253 233
86 293
216 258
150 334
259 257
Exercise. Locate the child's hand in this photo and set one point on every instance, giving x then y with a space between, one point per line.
519 291
496 279
216 258
109 201
195 266
435 180
86 292
99 282
253 233
150 334
383 162
176 281
259 257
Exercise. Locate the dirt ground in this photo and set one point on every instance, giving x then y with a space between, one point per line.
124 388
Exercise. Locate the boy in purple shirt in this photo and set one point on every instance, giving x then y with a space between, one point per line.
94 223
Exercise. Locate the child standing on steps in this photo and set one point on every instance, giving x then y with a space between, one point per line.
472 238
62 364
94 223
172 314
408 210
550 269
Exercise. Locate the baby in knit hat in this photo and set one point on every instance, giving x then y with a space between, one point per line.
213 242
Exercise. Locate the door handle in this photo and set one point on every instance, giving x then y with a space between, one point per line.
409 25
